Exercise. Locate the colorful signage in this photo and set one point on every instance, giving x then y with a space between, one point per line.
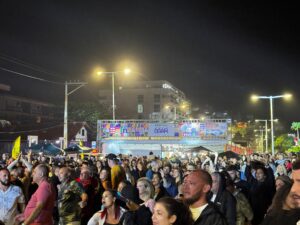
128 129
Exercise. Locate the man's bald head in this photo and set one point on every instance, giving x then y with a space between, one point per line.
43 170
204 176
196 187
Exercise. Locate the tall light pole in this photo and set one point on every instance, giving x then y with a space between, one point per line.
261 138
266 132
67 93
113 74
256 97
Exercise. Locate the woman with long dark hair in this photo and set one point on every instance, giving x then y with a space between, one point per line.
283 209
111 212
168 211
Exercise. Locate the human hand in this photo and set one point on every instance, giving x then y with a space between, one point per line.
162 173
82 204
20 218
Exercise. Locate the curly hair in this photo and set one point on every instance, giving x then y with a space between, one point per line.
177 208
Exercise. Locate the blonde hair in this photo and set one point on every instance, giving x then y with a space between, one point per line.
150 191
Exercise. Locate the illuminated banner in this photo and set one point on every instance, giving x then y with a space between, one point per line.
162 130
143 129
130 129
215 129
203 130
189 129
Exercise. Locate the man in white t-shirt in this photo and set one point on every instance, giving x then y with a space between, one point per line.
11 197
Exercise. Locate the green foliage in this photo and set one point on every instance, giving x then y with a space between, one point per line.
242 135
242 131
295 126
283 142
295 149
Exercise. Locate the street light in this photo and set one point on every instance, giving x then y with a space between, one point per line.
126 72
261 137
266 131
67 93
256 97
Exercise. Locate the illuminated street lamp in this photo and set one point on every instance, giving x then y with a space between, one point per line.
261 138
256 97
113 74
266 132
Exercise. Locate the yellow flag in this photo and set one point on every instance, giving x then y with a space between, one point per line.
16 148
81 145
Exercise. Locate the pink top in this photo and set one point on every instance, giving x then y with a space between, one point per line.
46 194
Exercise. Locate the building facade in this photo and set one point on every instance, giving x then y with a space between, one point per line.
158 100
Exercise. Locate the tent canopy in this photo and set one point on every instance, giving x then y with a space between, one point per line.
229 154
198 149
77 149
47 149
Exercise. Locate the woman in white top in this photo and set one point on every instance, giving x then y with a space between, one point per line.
111 211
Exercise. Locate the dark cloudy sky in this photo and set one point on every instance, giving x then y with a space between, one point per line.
217 52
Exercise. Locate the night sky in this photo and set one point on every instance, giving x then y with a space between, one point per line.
217 52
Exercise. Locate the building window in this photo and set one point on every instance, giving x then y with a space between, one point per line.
156 98
140 98
82 132
156 108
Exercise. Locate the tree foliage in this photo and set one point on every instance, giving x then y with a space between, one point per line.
283 142
294 149
242 134
296 126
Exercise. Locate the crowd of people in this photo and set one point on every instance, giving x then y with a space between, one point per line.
128 190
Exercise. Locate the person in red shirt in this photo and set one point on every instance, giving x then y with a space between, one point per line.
40 206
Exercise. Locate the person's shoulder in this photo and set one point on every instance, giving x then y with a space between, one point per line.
15 188
211 215
45 186
211 210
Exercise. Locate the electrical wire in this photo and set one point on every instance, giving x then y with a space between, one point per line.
31 77
26 131
26 64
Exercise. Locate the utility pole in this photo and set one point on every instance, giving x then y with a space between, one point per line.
78 85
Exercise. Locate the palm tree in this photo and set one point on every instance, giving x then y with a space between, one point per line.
296 126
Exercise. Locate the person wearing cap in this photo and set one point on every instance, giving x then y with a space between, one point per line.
117 172
242 185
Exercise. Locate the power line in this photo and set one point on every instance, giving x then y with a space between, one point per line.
32 77
25 131
26 64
